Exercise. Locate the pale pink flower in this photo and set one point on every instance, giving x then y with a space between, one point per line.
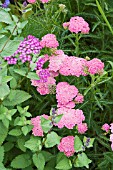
106 127
36 122
79 98
31 1
70 118
49 41
82 128
77 25
67 146
73 66
43 87
95 66
65 25
55 62
111 137
65 93
44 1
111 127
59 52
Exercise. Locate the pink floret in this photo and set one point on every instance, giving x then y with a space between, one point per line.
106 127
49 41
67 146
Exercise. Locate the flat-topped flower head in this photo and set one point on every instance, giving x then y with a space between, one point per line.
65 93
31 1
77 25
44 1
49 41
67 146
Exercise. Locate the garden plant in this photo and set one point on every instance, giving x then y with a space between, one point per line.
56 78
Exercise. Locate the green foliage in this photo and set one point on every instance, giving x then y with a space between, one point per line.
39 161
52 139
63 162
3 132
19 101
78 144
16 97
46 124
34 144
21 161
82 160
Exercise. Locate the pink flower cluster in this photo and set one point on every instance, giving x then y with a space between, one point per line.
67 146
44 1
76 25
31 1
36 122
43 87
107 127
95 66
74 66
65 93
111 135
70 118
49 41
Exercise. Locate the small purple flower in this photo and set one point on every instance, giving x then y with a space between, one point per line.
5 4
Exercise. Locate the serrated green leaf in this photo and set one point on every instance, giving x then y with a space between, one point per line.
58 118
12 45
78 146
21 161
21 143
19 97
82 160
52 139
13 83
5 17
47 155
34 144
63 162
1 154
25 130
15 132
21 71
3 132
39 161
32 75
8 146
4 90
6 79
46 124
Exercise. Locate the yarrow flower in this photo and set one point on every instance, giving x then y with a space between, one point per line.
106 127
44 1
31 1
95 66
73 66
65 94
82 128
67 146
49 41
43 85
36 122
55 62
70 118
77 25
79 98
